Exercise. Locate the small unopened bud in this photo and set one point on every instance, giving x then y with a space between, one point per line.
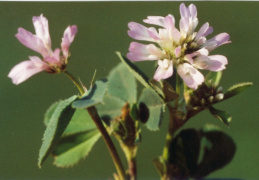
219 90
219 96
211 98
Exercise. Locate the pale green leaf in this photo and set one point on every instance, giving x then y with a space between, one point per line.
236 89
155 106
122 84
141 76
80 122
73 148
56 126
110 108
93 96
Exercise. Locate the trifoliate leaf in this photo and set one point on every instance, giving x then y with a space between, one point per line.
75 147
224 116
110 108
93 96
236 89
49 112
81 121
155 106
122 84
195 154
141 76
55 127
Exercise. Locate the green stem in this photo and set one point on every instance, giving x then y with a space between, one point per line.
75 81
172 127
98 122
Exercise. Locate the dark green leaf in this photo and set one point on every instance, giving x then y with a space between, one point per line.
93 96
122 84
134 111
214 78
219 150
75 147
195 154
56 126
224 116
141 76
155 106
236 89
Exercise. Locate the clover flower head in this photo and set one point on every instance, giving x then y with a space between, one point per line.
184 49
40 42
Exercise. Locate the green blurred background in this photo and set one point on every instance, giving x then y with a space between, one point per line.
102 30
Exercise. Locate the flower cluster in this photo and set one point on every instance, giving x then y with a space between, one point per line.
184 49
51 61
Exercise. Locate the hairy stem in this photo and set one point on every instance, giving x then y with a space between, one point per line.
98 122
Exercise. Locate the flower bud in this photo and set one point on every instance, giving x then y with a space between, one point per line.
219 96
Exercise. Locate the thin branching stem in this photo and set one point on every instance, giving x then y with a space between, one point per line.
98 122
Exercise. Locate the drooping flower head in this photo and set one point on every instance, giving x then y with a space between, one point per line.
184 49
40 42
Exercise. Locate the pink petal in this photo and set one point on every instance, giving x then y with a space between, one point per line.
169 22
54 58
26 69
139 32
164 70
193 11
42 30
204 31
67 39
31 41
188 21
156 20
212 63
183 10
218 40
141 52
191 76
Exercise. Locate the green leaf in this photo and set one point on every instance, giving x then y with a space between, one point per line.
75 147
122 84
93 96
80 122
49 112
110 108
155 106
236 89
225 117
141 76
195 154
215 144
56 126
214 77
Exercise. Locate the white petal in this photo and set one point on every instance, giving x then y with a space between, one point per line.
42 30
191 76
164 70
